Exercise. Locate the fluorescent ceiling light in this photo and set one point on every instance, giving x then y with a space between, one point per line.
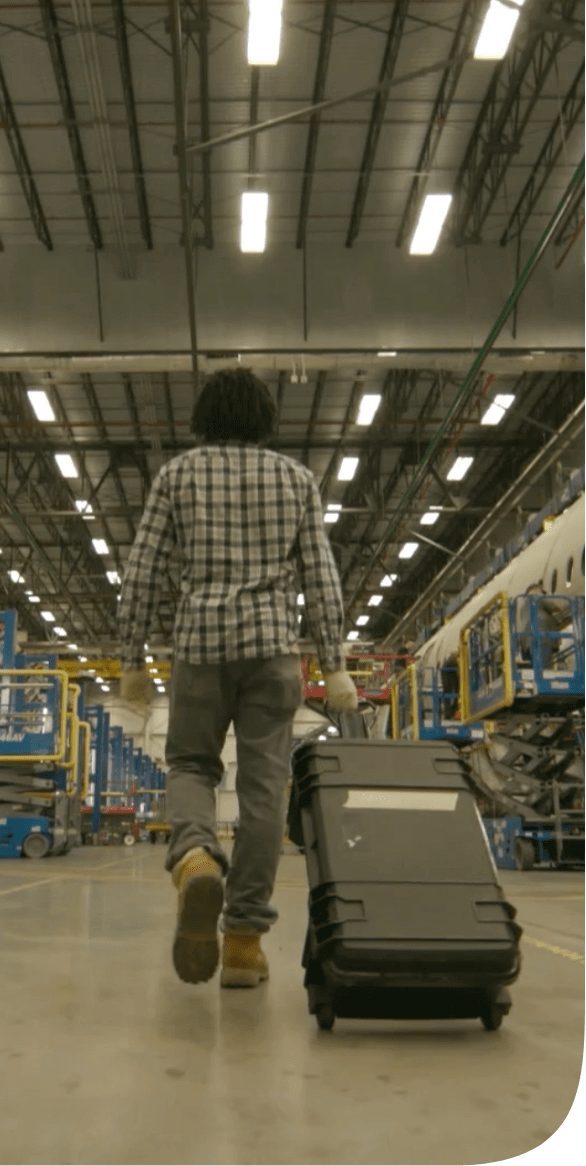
389 353
105 688
388 580
431 220
352 635
368 407
84 507
149 659
16 576
48 616
253 221
33 599
334 505
429 518
301 600
60 631
83 659
408 550
362 620
72 647
29 593
497 410
375 600
265 18
459 469
348 469
41 404
100 546
496 32
331 517
113 578
66 465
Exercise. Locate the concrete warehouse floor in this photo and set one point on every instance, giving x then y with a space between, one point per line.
107 1058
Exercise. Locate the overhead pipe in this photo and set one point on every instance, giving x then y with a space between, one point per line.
467 386
184 191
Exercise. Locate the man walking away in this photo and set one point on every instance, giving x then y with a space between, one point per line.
248 525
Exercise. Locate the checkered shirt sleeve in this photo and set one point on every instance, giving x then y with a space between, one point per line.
143 577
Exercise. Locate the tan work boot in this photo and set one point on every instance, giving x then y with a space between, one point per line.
198 879
244 965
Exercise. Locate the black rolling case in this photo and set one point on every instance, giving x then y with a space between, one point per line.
406 915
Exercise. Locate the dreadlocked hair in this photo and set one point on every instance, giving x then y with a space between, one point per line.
234 405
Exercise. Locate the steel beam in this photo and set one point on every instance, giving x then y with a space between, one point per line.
92 400
377 116
204 106
22 165
169 410
130 106
467 24
55 47
548 157
497 136
357 389
323 58
140 446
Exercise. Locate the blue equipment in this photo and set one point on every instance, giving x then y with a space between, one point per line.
20 835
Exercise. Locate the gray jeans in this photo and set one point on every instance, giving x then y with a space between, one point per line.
260 697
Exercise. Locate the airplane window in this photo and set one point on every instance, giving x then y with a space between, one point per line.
569 572
554 581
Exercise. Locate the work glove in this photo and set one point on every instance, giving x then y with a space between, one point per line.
135 686
341 694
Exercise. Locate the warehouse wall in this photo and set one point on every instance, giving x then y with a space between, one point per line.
372 296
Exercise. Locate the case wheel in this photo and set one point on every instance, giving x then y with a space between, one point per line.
129 840
492 1017
524 854
35 846
325 1016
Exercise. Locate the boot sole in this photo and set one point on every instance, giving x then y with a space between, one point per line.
196 952
242 978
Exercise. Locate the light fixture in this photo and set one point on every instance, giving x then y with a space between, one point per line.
362 621
149 659
390 352
16 576
429 518
34 599
352 635
459 469
253 221
331 516
47 616
66 465
84 508
113 578
368 407
497 410
301 600
375 600
83 659
431 220
73 647
265 19
388 580
332 730
334 506
348 469
41 404
29 592
100 546
60 631
105 688
496 32
99 679
408 550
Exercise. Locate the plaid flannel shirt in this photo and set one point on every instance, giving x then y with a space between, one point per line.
249 526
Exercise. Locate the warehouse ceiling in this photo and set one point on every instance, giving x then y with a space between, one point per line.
90 162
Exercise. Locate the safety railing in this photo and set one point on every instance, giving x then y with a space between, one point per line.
527 651
33 714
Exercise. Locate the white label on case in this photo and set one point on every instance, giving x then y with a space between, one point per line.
400 799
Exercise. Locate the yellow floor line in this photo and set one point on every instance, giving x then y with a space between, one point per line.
569 955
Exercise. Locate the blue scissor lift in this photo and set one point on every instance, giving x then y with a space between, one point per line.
44 752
